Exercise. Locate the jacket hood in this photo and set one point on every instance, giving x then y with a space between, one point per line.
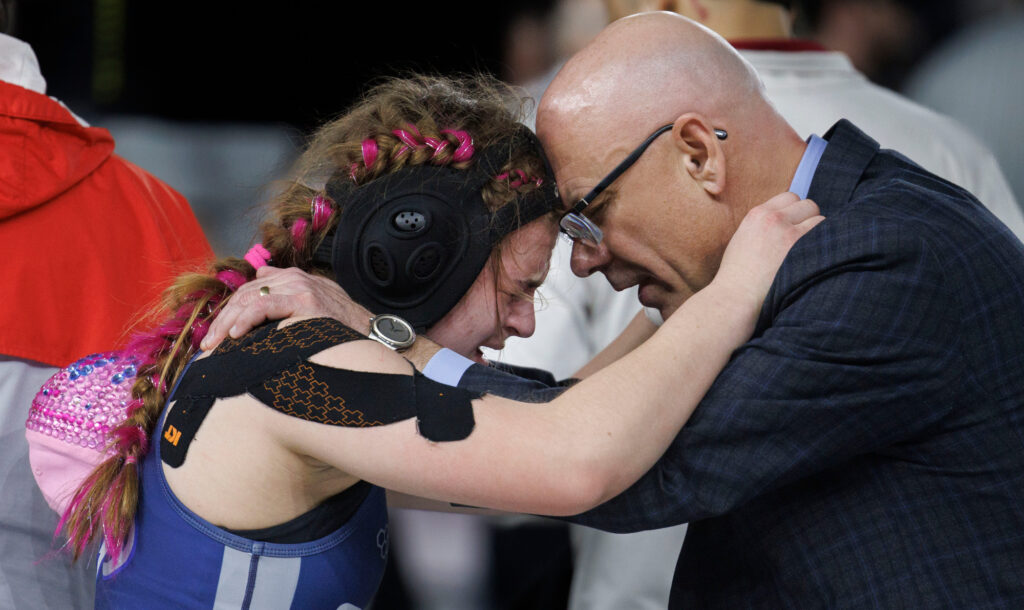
46 150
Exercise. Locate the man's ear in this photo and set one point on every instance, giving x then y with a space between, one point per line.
702 151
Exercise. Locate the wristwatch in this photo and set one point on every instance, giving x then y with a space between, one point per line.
392 331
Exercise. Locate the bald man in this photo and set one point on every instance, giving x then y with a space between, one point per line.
812 88
865 447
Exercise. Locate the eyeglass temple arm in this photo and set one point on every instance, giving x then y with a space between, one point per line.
582 204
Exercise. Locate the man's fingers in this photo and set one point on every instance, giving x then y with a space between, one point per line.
252 316
219 328
267 270
274 294
246 296
261 300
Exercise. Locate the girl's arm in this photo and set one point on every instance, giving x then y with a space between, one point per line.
592 442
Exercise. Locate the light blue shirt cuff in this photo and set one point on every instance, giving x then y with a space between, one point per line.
447 367
801 184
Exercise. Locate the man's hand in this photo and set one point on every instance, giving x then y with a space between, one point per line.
284 293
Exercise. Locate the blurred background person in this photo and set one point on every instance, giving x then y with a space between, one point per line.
78 224
977 76
812 86
883 39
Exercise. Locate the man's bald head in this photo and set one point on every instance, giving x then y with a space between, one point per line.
648 68
668 218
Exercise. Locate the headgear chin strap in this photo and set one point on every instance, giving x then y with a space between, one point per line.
412 242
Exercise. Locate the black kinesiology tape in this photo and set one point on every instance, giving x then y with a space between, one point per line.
271 364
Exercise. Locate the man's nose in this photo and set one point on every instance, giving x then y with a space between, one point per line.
588 258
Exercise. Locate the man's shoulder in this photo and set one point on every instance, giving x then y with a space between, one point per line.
903 221
865 184
899 208
866 234
896 187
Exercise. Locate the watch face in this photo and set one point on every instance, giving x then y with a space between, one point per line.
394 330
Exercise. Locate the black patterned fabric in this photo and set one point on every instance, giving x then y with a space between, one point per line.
272 365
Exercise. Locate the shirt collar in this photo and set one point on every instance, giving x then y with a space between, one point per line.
777 44
801 183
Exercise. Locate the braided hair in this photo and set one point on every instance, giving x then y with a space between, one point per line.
402 122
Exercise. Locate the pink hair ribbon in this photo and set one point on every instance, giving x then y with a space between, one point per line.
465 150
369 151
437 144
407 140
321 212
299 232
232 278
257 256
518 182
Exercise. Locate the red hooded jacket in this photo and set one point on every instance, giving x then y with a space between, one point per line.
87 240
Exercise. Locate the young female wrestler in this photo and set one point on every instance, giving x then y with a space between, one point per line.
239 473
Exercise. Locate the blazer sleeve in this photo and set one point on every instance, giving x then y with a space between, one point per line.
853 353
509 381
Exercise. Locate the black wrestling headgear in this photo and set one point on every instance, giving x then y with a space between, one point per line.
413 241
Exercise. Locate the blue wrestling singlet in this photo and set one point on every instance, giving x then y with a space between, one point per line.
176 559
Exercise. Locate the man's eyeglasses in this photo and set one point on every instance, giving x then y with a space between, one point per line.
580 228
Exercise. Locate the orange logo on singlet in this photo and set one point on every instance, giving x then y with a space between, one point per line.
172 435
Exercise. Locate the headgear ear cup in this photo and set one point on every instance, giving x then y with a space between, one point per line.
425 262
378 265
412 242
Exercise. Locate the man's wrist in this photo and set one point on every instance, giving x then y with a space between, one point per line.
420 353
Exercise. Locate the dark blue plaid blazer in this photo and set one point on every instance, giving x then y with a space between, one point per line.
865 449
